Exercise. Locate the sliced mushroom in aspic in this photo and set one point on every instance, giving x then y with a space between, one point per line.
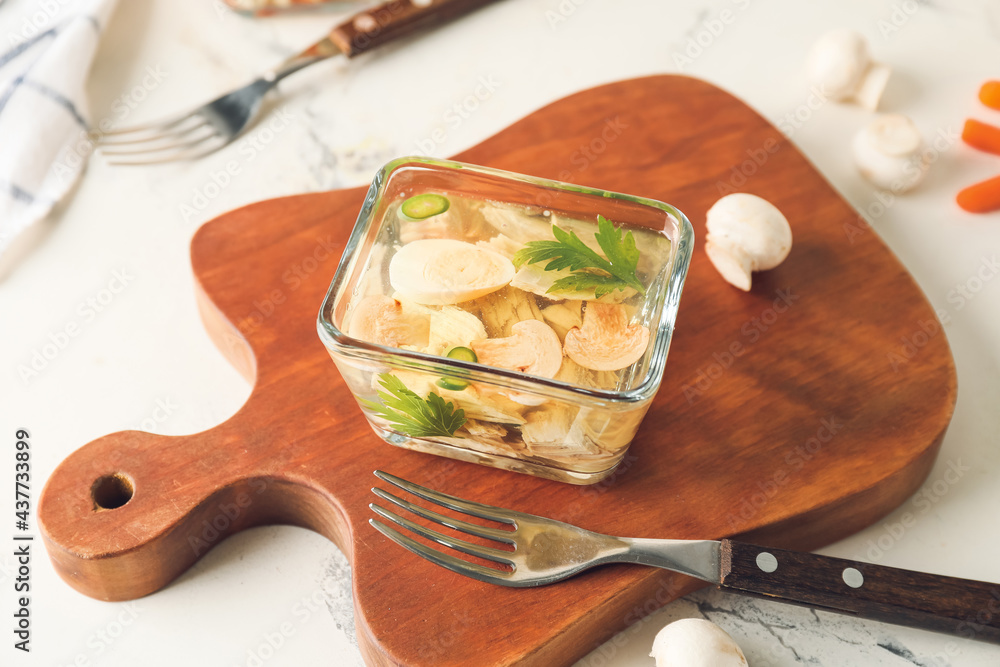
382 320
607 341
532 348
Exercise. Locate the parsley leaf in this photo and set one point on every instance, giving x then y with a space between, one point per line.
412 415
589 269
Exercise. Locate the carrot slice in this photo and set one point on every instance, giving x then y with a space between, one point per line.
989 94
981 197
981 135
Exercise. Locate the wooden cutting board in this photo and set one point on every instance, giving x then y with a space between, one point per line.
793 415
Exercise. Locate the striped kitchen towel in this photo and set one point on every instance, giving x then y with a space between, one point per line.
45 53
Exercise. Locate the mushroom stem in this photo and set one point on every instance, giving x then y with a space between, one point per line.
731 261
872 85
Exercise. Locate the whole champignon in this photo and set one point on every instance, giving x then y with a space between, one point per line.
606 341
889 152
840 65
532 348
745 234
694 642
382 320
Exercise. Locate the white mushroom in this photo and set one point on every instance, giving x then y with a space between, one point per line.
889 152
533 348
746 233
693 642
381 320
606 341
841 66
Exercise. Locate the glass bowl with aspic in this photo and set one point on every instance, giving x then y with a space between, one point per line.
512 321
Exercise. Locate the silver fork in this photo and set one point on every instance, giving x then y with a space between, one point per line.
211 126
545 551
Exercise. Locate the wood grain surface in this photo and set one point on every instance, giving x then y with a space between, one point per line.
790 416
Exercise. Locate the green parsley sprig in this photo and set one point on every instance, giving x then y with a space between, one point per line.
412 415
590 271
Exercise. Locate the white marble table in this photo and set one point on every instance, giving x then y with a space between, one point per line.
281 596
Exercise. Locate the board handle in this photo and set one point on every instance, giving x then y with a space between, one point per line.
391 20
962 607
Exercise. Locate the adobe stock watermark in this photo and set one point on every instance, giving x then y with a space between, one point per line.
634 620
911 344
756 158
38 21
248 149
270 643
562 12
922 502
794 120
944 139
163 409
796 458
87 310
965 292
750 332
458 113
899 15
704 35
226 515
121 108
434 648
293 278
102 639
959 296
586 154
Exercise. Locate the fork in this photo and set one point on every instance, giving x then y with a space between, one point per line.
213 125
545 551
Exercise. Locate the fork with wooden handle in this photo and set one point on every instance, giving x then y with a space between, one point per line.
545 551
211 126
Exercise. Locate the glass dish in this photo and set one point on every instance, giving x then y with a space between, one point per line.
574 426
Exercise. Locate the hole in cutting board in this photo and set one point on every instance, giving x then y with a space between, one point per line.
112 491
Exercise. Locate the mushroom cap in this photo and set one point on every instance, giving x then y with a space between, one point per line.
381 320
694 642
752 224
606 341
889 153
533 348
838 62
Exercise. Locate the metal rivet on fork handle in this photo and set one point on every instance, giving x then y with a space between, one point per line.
767 562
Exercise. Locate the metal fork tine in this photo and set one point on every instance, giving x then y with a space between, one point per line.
451 502
153 125
456 524
145 150
190 155
170 132
489 553
447 561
